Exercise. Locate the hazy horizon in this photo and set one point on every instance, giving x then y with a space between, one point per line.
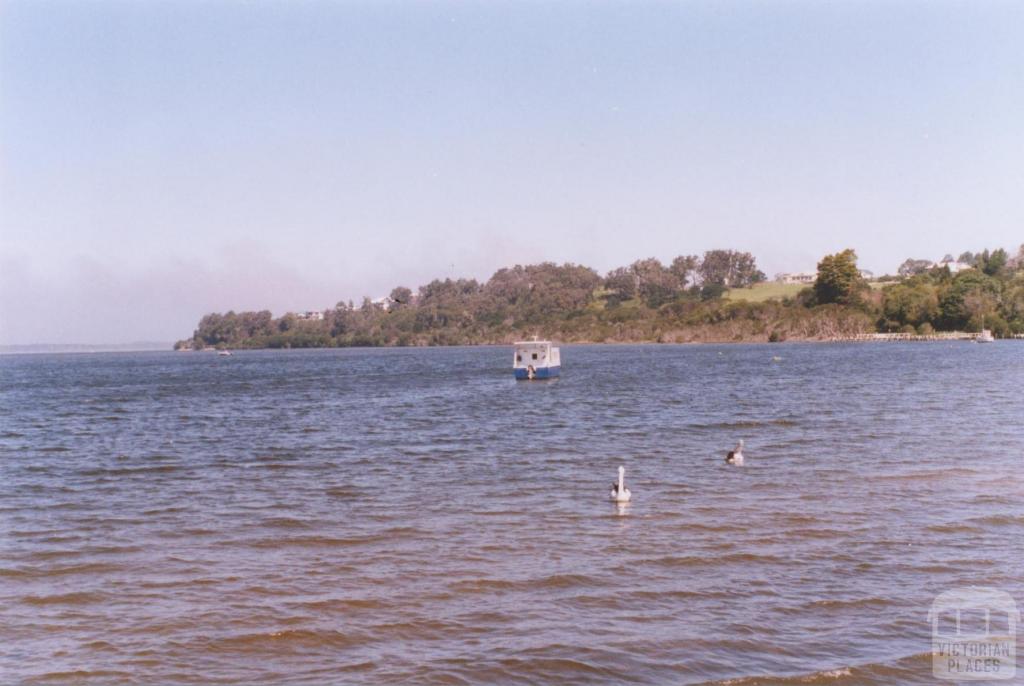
158 162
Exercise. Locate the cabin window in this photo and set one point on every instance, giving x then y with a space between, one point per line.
519 358
535 356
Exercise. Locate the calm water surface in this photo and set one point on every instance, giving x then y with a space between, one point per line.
416 516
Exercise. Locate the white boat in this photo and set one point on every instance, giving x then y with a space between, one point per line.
224 353
536 360
985 336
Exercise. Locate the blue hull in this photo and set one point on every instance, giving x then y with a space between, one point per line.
539 373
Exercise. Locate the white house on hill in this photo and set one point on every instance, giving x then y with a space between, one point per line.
797 277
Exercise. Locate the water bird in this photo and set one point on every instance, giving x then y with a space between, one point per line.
620 493
735 456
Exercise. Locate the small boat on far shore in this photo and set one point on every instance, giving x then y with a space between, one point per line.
223 353
985 336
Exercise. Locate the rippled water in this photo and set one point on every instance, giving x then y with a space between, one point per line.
417 516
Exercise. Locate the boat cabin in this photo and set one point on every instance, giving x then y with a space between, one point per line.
536 360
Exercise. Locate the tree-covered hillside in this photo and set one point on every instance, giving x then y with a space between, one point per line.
648 301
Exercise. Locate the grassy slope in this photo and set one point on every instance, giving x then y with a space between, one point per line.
771 290
765 291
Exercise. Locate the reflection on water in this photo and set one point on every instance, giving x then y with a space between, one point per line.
419 516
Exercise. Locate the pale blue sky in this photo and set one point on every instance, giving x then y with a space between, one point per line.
162 160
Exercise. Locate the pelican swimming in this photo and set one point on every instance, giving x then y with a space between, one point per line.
735 455
620 493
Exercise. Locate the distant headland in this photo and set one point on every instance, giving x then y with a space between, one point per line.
719 297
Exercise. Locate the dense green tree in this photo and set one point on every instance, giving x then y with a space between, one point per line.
655 284
910 267
233 328
911 303
534 292
449 291
650 280
967 300
1013 303
623 284
400 296
716 267
287 322
446 303
340 320
684 267
839 280
729 268
993 263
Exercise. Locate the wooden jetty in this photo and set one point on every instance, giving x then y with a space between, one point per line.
892 337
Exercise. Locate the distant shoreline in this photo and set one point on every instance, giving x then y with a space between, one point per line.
954 337
50 348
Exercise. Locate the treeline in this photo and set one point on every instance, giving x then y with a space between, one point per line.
989 294
645 301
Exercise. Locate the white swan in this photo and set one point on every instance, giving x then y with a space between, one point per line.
620 493
735 456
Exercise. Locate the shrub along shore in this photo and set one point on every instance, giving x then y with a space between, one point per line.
720 297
